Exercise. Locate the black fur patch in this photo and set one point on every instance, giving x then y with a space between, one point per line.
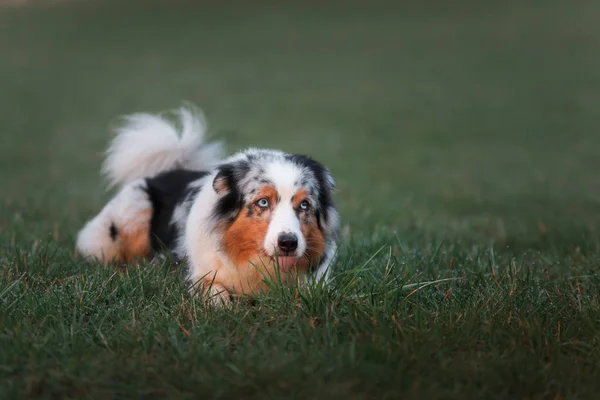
325 189
229 206
166 191
114 232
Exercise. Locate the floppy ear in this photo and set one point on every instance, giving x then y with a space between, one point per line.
329 180
222 182
329 219
226 184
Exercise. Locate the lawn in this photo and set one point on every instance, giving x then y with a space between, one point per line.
465 140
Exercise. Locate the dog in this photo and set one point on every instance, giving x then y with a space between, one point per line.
233 222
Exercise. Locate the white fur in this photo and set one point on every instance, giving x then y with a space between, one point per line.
125 211
284 176
284 219
199 242
146 145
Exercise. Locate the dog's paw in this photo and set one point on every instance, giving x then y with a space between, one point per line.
215 296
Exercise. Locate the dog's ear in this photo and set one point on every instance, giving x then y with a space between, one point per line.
228 176
328 217
224 179
329 181
226 185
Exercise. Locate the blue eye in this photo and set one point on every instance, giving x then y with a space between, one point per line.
263 203
305 205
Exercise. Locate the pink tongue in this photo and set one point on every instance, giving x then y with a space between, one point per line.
286 262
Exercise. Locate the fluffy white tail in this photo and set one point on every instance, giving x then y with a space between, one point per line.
148 144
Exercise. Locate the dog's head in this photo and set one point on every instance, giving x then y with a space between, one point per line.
275 208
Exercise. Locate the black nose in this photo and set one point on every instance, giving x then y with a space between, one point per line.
287 242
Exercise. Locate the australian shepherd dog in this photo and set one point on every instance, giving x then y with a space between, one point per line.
234 222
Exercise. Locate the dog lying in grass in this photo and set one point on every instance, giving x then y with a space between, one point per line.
258 214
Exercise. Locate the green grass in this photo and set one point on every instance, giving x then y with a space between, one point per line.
465 140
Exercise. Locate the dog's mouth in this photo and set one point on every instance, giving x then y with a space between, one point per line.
284 262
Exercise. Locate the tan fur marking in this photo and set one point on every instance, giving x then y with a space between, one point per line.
269 192
243 240
134 237
299 196
315 242
243 244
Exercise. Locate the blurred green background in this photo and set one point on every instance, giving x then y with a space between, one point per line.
474 119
